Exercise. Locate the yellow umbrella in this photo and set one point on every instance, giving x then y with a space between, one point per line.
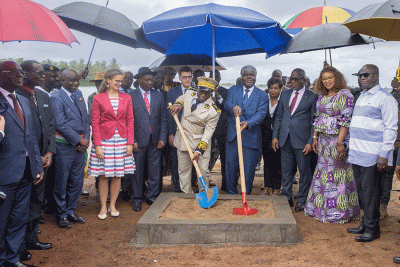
381 20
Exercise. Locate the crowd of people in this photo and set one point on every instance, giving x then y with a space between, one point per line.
343 143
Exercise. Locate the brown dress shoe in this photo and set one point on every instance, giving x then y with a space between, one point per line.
267 191
383 211
277 192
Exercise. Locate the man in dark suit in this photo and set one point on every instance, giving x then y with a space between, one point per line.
250 103
185 76
72 139
293 132
20 163
220 131
44 128
150 128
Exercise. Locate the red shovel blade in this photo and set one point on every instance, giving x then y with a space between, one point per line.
246 211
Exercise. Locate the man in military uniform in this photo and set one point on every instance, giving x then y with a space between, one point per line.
199 119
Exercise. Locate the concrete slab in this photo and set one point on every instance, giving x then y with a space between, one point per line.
153 231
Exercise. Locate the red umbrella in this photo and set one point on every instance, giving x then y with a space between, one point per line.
24 20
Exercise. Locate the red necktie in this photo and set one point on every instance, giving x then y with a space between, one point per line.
147 103
18 109
293 102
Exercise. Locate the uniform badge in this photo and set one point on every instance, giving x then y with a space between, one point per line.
193 94
207 106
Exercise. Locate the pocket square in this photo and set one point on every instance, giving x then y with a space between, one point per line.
45 105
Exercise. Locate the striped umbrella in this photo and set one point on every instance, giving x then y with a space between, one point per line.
316 16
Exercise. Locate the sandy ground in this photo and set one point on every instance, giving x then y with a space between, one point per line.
107 243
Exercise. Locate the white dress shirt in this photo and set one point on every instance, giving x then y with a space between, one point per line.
184 89
251 90
9 99
299 96
148 94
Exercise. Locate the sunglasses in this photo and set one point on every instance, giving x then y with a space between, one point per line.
295 79
365 74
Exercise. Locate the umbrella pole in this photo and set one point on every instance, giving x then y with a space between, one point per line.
94 43
213 51
330 56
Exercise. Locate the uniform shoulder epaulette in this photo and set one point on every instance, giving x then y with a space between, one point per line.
216 108
192 88
179 103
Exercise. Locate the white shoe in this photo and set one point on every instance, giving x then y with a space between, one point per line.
113 214
102 216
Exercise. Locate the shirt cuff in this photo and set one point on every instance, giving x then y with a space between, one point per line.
384 154
220 100
3 133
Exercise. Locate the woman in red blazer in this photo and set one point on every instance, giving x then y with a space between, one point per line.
112 127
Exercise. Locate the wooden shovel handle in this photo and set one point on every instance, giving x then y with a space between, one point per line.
240 154
196 166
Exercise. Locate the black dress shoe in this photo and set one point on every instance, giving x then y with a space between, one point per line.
397 259
50 211
41 220
18 264
38 246
149 202
299 206
137 206
85 193
291 204
359 230
367 237
25 256
64 223
76 219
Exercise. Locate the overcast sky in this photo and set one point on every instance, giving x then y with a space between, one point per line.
348 60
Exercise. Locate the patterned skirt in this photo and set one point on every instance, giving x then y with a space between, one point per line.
115 163
333 193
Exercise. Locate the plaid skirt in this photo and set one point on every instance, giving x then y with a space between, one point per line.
115 163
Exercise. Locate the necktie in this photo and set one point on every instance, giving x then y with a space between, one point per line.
246 96
194 106
33 97
293 102
75 100
147 103
18 109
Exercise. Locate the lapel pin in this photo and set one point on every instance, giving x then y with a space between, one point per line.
80 99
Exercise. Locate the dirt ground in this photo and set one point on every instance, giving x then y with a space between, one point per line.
107 243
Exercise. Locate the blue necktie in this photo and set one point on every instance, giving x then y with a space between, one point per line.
246 96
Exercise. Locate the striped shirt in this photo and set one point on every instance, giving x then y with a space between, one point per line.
373 128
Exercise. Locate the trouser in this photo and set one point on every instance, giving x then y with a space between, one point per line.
221 140
388 180
272 167
14 217
369 188
288 157
250 159
70 167
185 170
51 204
153 156
174 169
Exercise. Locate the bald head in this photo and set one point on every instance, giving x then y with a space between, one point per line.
70 80
277 74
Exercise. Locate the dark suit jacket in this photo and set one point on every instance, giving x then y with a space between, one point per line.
16 142
223 118
253 111
172 95
157 119
70 122
267 126
43 119
298 125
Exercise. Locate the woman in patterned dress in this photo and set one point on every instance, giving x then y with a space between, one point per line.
333 194
112 127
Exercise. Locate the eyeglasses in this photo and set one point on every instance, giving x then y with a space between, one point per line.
16 72
186 77
41 73
295 79
365 74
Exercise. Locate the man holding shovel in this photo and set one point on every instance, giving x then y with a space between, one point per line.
199 119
